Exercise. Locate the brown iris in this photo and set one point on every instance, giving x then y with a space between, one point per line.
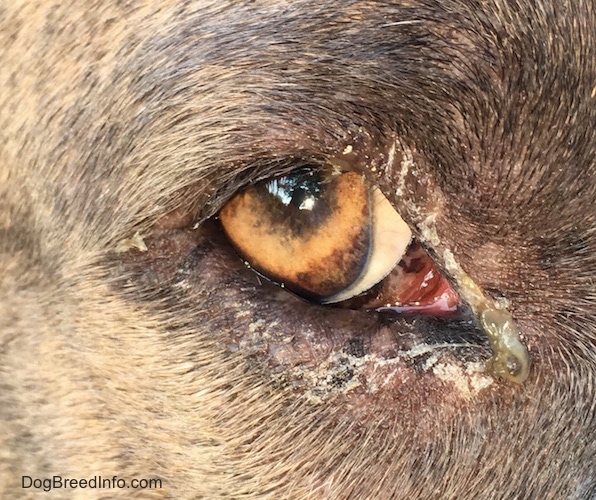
308 232
326 236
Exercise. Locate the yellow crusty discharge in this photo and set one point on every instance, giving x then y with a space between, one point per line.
510 358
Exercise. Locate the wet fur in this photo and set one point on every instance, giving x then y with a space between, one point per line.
476 119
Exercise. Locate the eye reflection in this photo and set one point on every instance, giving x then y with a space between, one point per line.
333 238
300 189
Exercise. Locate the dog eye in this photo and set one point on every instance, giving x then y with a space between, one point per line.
330 238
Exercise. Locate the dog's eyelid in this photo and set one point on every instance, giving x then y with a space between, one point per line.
333 238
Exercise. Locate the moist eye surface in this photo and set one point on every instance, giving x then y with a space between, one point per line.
311 236
333 238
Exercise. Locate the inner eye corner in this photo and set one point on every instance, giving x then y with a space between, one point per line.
333 238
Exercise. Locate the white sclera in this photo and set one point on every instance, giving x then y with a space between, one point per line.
389 241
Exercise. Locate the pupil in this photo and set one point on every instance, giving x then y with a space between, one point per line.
300 189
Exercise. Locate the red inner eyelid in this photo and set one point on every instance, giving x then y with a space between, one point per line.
415 286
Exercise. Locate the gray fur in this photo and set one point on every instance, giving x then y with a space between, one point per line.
476 119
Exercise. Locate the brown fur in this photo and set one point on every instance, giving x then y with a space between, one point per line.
477 120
